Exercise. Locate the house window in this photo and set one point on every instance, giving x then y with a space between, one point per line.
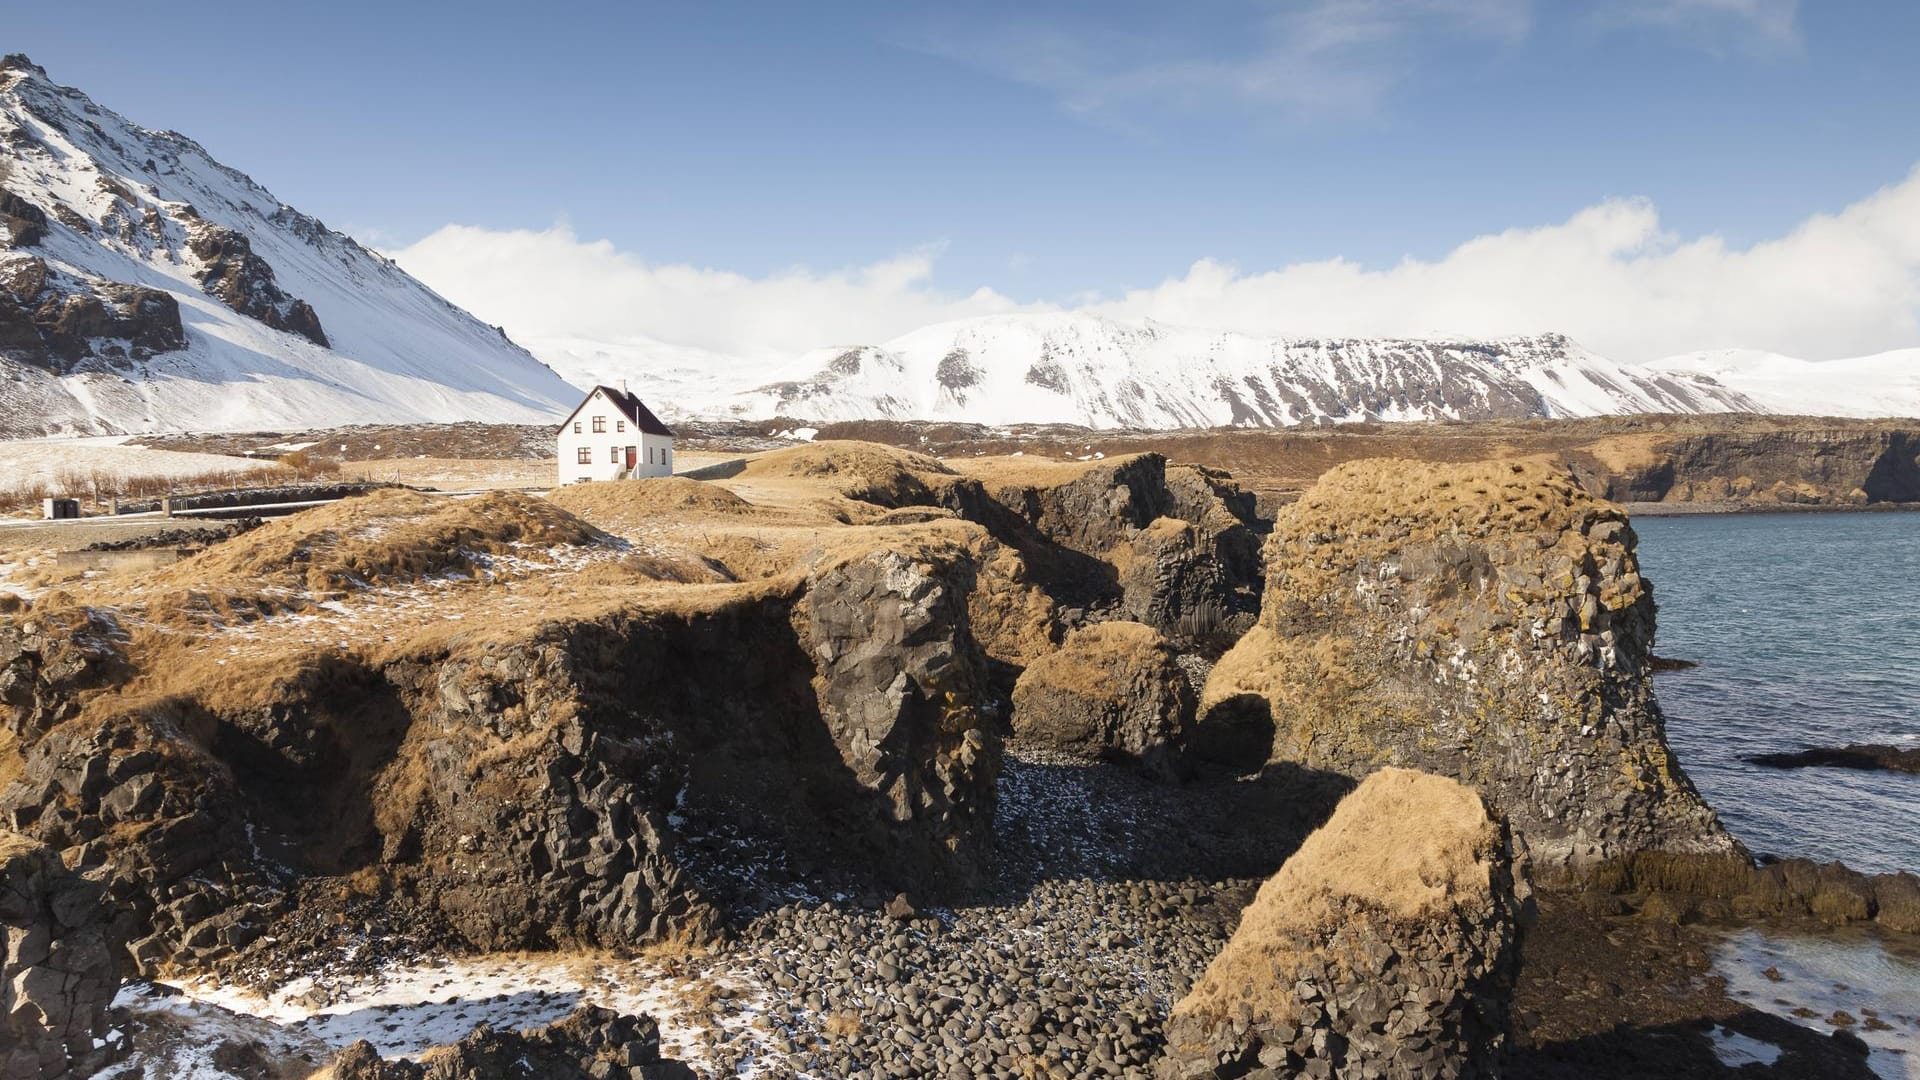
614 455
586 456
576 427
599 424
619 425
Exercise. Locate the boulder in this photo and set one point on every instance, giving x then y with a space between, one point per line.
59 970
1486 621
591 1043
232 273
1385 947
1112 691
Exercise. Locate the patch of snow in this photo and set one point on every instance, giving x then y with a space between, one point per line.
1884 384
1812 980
1736 1050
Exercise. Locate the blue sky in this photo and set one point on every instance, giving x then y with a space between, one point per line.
1048 152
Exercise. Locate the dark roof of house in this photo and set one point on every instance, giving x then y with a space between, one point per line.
629 405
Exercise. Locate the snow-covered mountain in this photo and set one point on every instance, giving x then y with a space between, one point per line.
145 286
1884 384
1087 369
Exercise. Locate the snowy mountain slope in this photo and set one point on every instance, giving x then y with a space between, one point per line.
1102 372
1884 384
145 286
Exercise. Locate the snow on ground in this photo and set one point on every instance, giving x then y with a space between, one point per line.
1738 1051
27 462
1856 979
1885 384
405 1011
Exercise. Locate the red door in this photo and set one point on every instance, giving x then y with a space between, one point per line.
633 457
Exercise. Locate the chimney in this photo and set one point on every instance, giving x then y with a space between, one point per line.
623 386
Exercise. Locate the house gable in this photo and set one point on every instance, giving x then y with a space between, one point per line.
625 404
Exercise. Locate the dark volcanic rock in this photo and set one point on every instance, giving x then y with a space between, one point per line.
590 1044
1385 947
1856 756
25 223
534 790
244 281
59 968
55 321
1487 622
1113 691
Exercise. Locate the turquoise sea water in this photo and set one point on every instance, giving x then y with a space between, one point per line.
1807 631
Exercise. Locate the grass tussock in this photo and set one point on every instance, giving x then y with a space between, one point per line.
1104 662
1404 843
386 537
884 476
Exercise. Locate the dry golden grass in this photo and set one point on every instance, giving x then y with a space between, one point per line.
999 473
844 1026
383 537
1101 662
1405 844
884 476
452 474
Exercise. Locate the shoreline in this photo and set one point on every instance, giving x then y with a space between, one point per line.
1694 509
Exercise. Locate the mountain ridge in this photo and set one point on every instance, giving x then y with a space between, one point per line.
1104 372
145 286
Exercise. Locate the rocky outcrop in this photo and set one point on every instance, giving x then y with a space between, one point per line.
899 681
59 969
55 321
25 224
1807 467
590 1044
1385 947
543 783
1864 756
1112 692
242 280
1485 621
1180 543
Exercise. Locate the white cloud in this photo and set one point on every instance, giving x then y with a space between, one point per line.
1611 276
1753 24
549 284
1306 59
1835 285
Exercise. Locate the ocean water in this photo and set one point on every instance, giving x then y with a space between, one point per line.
1806 628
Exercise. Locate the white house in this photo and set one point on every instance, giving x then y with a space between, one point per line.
612 435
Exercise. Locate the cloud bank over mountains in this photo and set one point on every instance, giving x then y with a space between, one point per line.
1839 284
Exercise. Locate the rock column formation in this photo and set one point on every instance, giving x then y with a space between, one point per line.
58 972
1484 621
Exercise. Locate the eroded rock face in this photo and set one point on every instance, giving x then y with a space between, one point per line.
59 970
1484 621
531 788
899 681
56 321
1112 692
25 223
1174 546
244 281
590 1044
1385 947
